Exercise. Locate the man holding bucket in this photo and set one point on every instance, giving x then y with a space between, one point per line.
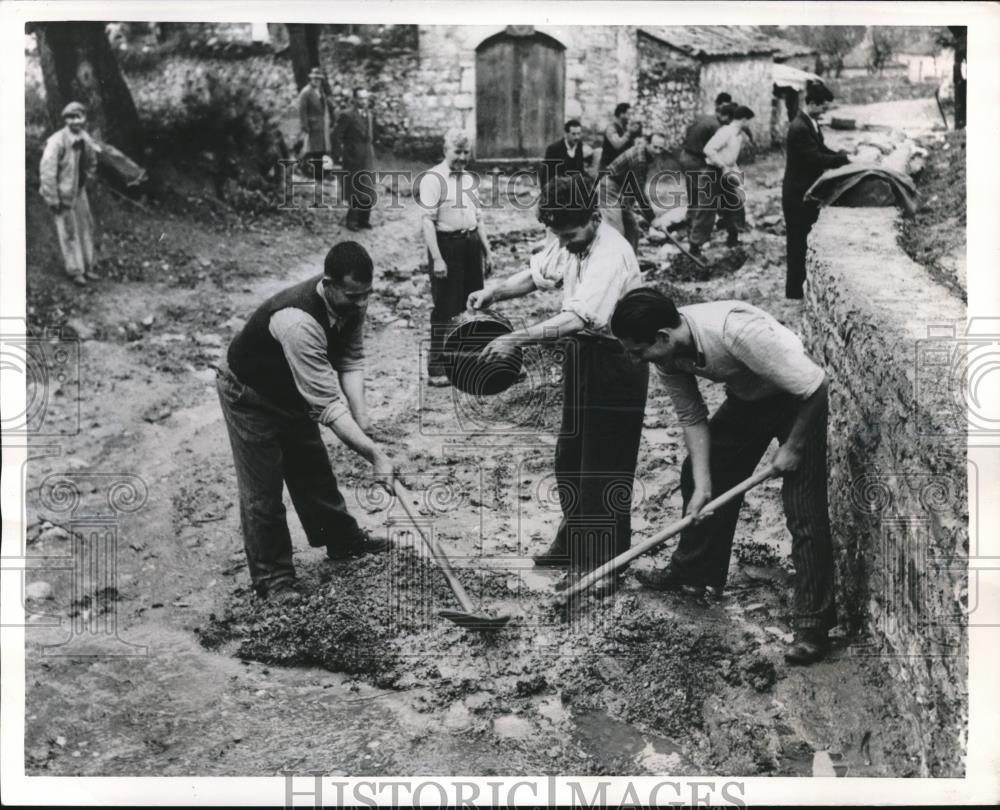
457 245
604 390
773 390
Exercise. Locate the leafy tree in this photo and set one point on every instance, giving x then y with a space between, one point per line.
303 47
78 64
885 43
831 42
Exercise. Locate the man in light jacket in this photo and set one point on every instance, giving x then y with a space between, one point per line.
68 166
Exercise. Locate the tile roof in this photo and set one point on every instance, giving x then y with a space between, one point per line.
707 41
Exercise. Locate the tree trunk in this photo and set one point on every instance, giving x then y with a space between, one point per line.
303 47
79 65
961 44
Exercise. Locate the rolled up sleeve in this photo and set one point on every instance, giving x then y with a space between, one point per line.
685 395
772 352
304 345
603 282
352 356
548 266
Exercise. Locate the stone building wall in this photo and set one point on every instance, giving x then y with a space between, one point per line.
600 72
749 80
667 96
900 481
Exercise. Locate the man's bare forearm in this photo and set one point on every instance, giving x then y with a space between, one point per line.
430 238
514 286
810 410
352 383
558 326
348 431
697 440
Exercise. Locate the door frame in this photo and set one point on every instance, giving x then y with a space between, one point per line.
516 32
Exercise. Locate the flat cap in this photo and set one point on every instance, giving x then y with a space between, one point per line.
74 108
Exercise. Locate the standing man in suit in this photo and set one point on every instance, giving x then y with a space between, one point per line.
566 156
806 158
315 118
354 132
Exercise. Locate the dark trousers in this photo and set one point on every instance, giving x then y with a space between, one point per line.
360 190
706 201
799 220
701 185
272 446
604 399
740 433
463 256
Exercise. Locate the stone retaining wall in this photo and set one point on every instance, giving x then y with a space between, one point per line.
900 480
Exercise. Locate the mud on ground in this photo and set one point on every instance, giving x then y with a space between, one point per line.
363 677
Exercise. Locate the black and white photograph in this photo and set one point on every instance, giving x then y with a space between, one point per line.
494 404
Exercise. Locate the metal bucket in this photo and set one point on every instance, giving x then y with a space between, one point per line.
470 332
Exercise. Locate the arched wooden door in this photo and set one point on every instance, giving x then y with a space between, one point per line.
520 94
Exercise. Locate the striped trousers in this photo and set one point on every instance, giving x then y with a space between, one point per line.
740 433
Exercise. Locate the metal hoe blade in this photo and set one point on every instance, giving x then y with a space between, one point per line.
474 622
466 617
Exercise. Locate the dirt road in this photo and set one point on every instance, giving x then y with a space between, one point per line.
641 683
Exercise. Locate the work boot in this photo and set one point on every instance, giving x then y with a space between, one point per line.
438 381
79 281
359 544
666 579
283 592
555 556
810 645
695 250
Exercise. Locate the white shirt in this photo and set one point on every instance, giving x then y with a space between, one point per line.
592 282
449 199
723 148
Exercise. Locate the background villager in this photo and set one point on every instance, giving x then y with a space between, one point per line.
806 158
355 133
458 247
67 168
316 116
568 155
625 187
619 135
699 177
723 152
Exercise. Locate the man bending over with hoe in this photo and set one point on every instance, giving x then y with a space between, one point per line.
773 390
